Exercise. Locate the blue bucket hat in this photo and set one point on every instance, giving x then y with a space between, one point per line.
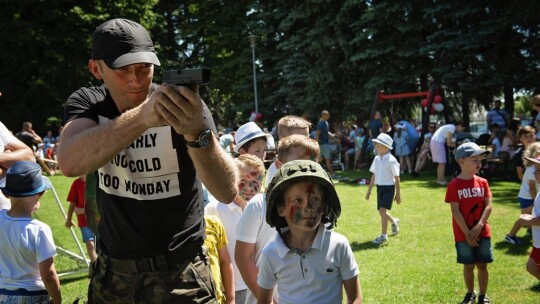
24 178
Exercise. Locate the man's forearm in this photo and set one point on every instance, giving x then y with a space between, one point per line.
217 171
16 153
85 146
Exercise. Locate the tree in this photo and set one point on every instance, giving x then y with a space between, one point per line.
306 65
389 35
211 34
311 54
44 57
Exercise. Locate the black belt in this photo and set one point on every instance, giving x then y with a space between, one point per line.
162 262
23 292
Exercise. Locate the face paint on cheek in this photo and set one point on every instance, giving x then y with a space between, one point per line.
254 186
295 214
310 191
256 175
243 189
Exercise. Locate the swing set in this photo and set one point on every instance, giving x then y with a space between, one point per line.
433 102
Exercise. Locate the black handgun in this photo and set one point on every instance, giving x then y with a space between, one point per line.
186 77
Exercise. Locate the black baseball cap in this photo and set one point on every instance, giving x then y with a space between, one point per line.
121 42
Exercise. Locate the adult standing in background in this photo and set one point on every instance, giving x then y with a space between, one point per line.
11 151
28 136
375 125
322 136
414 136
151 146
498 116
441 138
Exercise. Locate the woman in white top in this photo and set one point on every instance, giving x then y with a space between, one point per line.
443 136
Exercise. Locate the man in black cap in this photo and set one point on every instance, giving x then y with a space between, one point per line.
151 146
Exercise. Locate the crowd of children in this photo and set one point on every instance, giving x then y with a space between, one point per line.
275 242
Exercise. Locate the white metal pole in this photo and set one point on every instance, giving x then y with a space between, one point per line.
70 228
252 40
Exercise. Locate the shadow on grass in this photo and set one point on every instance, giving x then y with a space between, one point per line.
512 249
505 195
364 246
429 184
536 288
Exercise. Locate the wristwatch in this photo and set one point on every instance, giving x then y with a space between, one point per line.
202 141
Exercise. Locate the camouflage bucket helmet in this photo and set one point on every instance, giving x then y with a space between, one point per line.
295 171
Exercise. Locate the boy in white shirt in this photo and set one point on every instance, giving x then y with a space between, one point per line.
252 231
385 174
309 262
27 267
287 125
251 170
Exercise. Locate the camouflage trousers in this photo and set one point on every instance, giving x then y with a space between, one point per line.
183 282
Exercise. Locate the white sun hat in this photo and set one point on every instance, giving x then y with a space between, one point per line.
249 131
385 140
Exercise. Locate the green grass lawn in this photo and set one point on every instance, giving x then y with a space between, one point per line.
417 266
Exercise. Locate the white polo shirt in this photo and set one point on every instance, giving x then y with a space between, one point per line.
229 214
312 277
385 168
272 170
252 228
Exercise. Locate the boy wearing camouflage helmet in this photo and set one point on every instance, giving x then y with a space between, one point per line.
307 260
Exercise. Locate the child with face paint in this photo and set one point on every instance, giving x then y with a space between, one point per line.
252 231
307 260
385 174
251 170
